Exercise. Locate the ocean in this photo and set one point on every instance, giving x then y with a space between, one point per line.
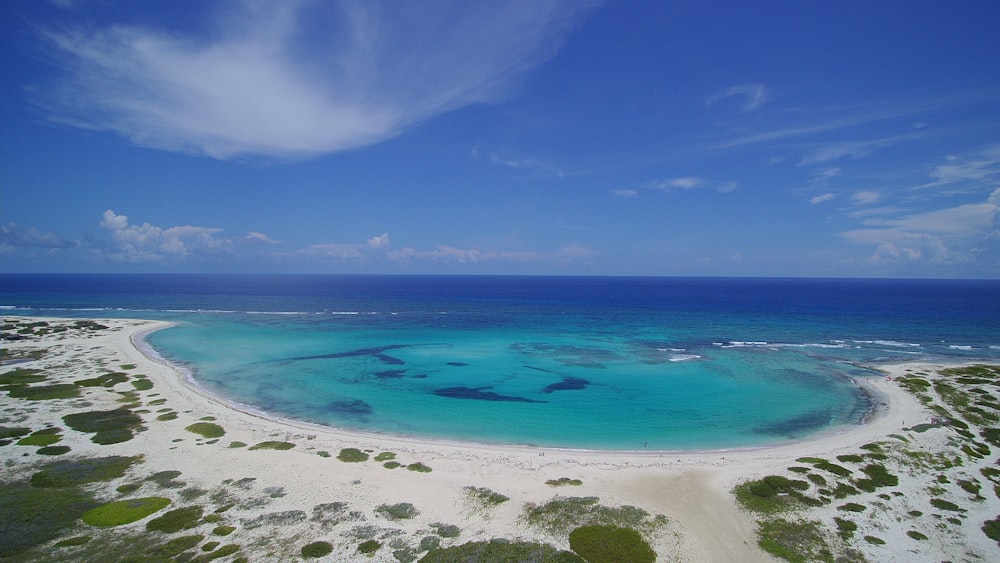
619 363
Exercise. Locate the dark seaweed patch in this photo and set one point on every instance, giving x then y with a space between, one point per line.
462 392
797 425
357 407
567 384
390 374
457 364
377 352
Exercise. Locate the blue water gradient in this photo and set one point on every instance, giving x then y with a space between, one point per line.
606 363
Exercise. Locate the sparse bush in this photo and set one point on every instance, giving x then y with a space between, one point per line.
352 455
207 430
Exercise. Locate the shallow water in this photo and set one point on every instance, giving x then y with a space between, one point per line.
607 363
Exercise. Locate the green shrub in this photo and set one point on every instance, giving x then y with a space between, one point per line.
400 511
992 529
352 455
418 467
222 530
124 511
13 432
176 520
237 444
852 507
99 421
845 528
52 450
317 549
272 445
563 481
610 544
207 430
385 456
446 530
916 535
874 540
946 505
370 546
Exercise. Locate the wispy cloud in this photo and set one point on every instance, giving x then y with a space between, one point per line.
821 198
850 149
535 165
753 95
961 173
14 236
298 79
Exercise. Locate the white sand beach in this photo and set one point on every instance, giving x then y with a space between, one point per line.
278 496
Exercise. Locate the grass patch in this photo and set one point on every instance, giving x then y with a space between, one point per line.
611 544
207 430
852 507
70 542
62 474
110 427
31 516
166 479
392 464
385 456
316 549
176 520
13 432
124 511
562 514
501 550
142 384
352 455
44 392
222 530
237 445
53 450
419 468
167 416
21 376
916 535
273 445
37 439
104 380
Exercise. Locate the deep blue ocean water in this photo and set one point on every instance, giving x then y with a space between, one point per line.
581 362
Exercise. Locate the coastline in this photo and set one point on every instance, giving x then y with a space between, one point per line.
691 489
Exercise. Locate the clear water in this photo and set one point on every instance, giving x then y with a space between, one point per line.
606 363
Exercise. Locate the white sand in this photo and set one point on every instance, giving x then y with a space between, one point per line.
691 488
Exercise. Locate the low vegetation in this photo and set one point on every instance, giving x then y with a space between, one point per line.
124 511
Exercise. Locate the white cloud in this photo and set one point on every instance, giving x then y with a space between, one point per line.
754 96
380 241
865 197
13 236
687 183
149 243
962 234
822 198
825 175
255 237
967 173
625 193
298 79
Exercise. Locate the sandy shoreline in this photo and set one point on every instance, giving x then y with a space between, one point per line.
691 489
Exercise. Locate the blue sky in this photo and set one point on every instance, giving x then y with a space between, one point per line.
682 138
